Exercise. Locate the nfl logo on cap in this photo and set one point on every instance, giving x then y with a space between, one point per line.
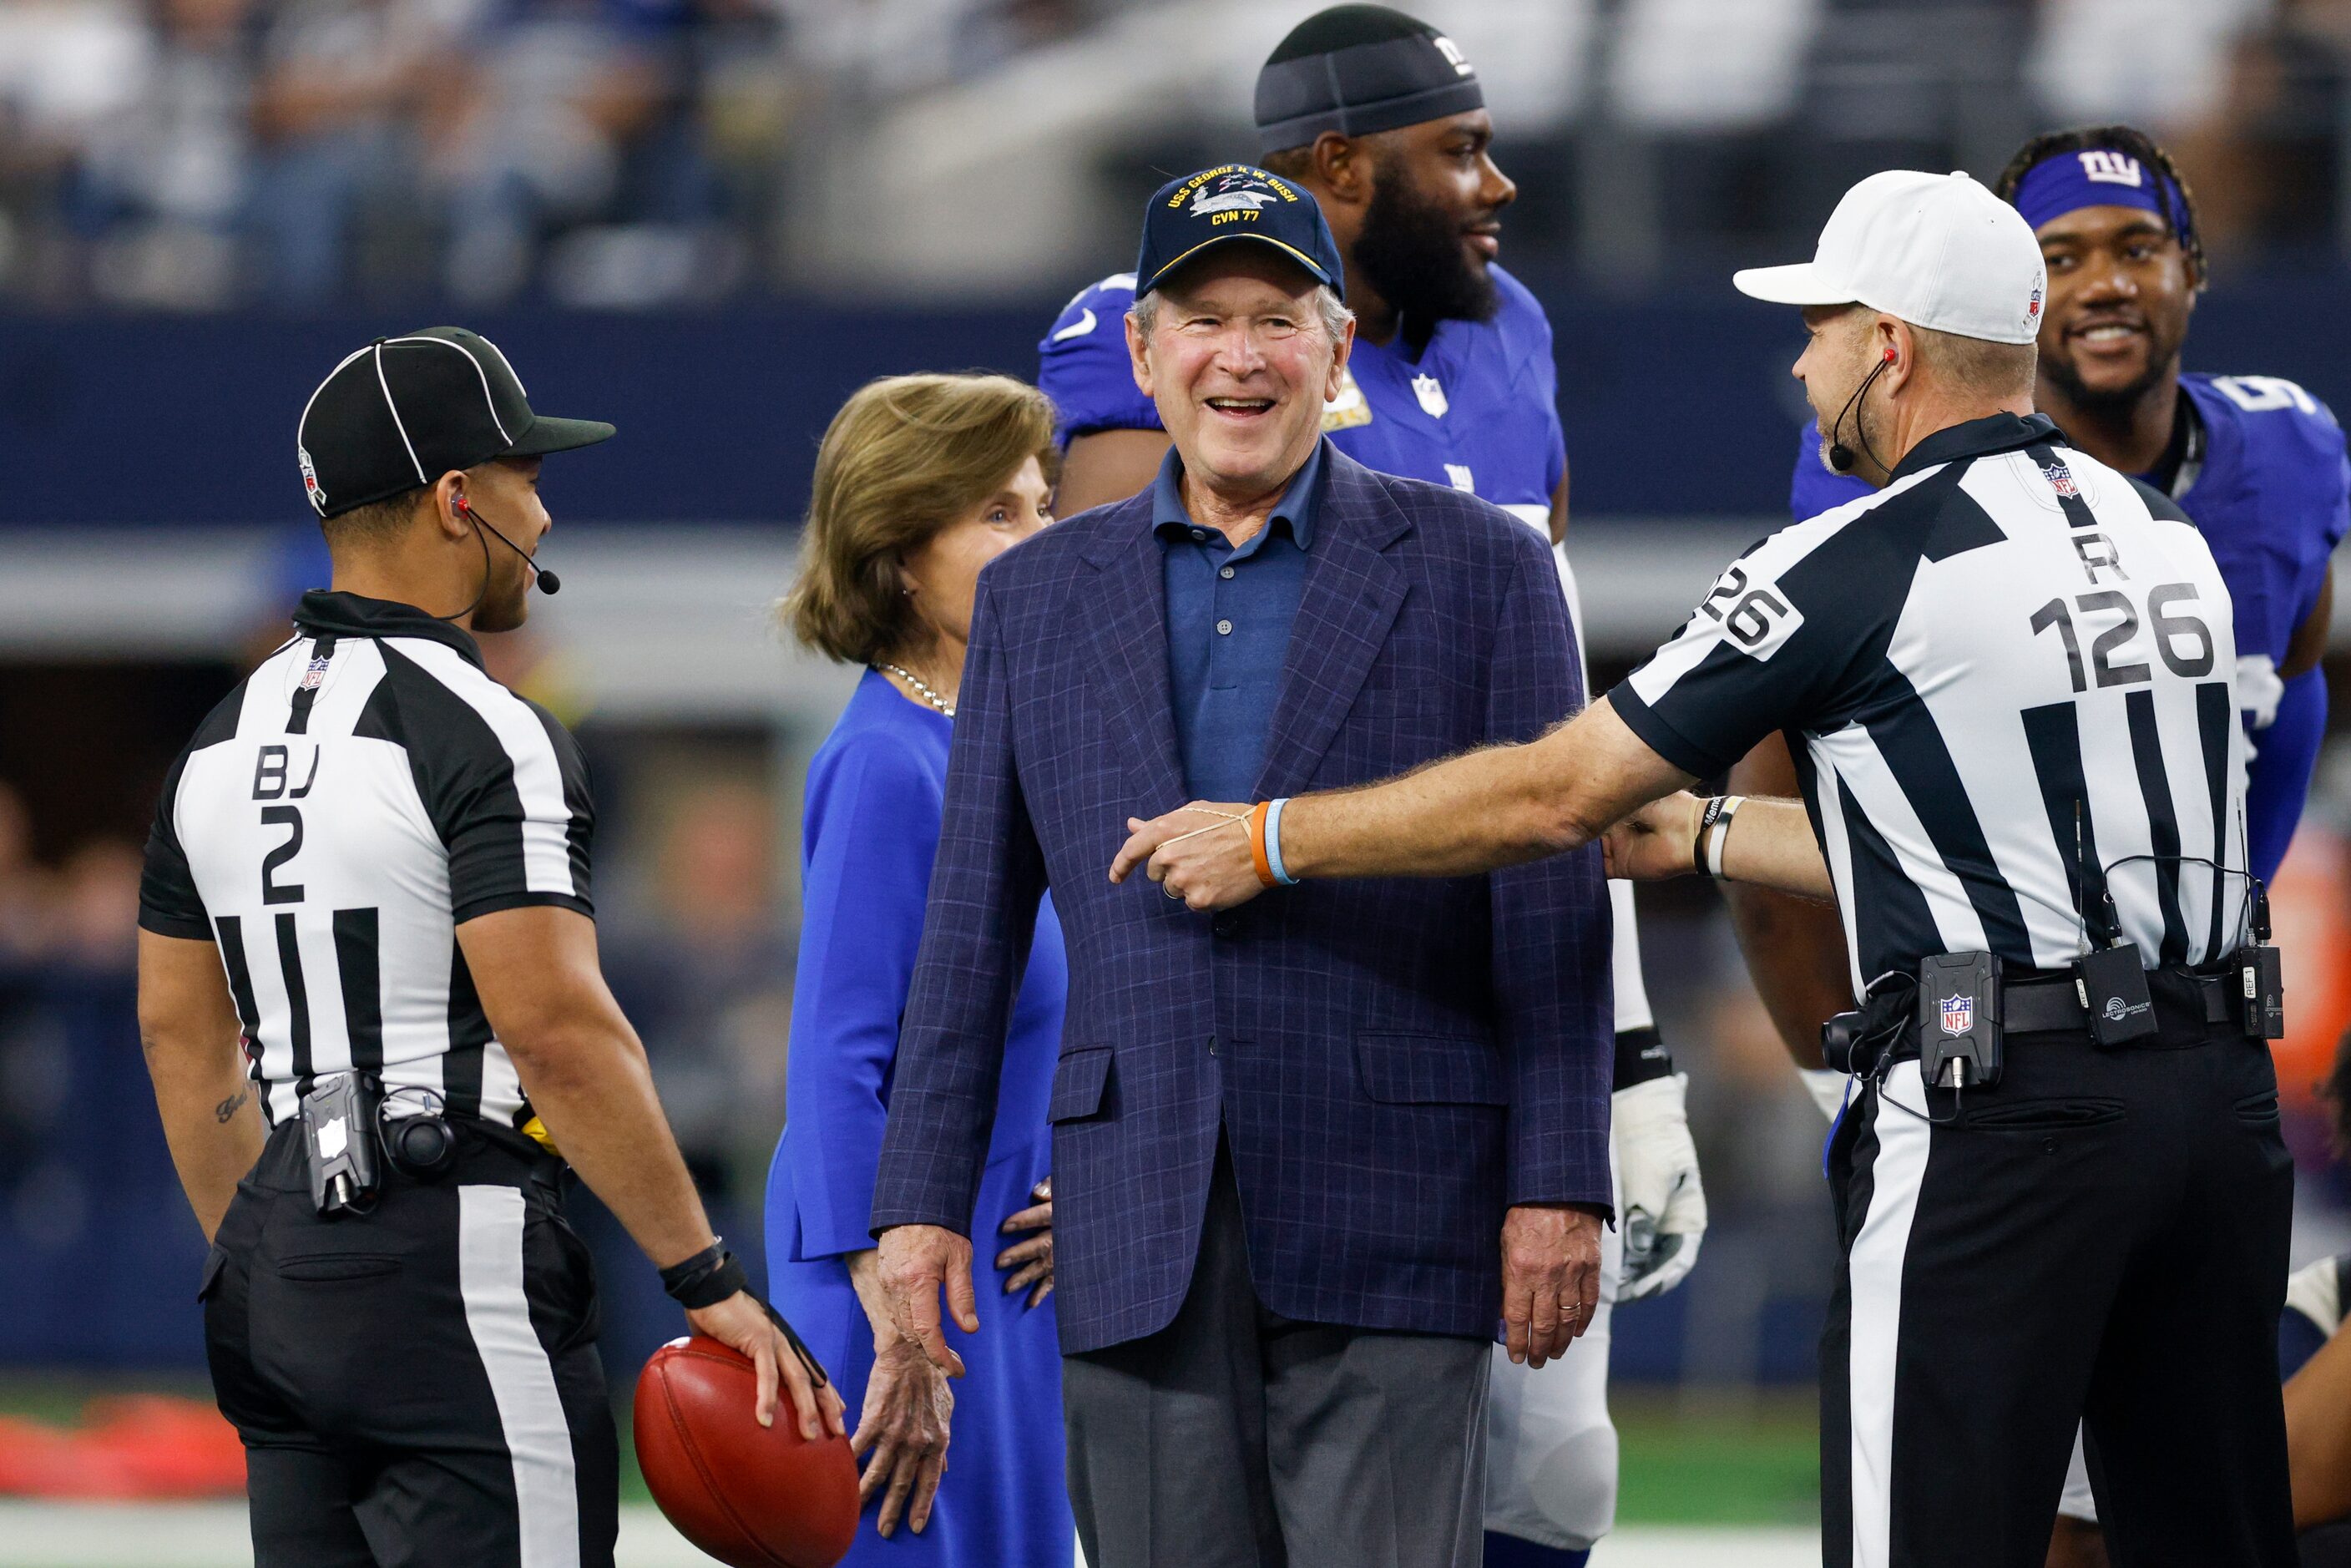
1959 1014
310 481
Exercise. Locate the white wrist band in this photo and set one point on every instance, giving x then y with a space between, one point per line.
1718 832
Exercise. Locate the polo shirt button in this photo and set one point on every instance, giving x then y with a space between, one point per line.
1225 571
1201 535
1224 627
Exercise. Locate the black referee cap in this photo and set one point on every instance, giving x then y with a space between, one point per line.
1356 69
402 411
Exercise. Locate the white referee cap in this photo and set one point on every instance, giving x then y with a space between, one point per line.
1936 250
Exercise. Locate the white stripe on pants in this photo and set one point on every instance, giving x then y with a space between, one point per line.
489 1274
1875 1270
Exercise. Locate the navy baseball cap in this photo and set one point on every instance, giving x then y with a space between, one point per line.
1235 202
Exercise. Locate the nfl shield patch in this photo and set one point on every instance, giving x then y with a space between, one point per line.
2061 479
316 676
1959 1014
1431 393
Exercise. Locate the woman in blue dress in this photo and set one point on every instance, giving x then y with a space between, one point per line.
920 481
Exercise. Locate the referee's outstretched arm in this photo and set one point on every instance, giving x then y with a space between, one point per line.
188 1024
585 1073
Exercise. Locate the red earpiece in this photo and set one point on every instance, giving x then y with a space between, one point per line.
1889 360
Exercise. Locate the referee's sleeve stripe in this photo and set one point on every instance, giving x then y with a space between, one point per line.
537 771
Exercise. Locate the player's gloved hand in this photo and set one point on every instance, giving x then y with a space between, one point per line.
1656 1169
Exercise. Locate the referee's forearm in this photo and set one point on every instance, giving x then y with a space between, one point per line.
189 1030
1471 813
211 1119
592 1089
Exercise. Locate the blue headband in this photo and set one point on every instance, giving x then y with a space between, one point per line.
2099 177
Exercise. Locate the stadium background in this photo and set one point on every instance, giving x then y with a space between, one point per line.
708 220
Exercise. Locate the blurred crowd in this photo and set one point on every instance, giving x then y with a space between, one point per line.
201 154
207 154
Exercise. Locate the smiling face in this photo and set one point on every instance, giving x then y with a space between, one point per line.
1240 363
2121 290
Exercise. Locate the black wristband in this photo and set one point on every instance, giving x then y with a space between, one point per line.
705 1279
1641 1056
712 1275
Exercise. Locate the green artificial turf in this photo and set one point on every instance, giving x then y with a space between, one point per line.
1686 1462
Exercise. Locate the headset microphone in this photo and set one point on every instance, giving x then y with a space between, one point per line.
547 581
1840 456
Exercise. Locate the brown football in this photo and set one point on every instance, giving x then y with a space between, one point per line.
751 1496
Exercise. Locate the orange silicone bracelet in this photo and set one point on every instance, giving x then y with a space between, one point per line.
1257 842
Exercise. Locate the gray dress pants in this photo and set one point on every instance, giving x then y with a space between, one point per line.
1236 1438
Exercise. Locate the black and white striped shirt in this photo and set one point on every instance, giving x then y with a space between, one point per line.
2011 663
365 791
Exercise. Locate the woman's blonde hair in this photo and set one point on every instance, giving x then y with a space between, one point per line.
904 457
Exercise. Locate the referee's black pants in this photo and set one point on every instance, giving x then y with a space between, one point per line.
2099 1238
419 1386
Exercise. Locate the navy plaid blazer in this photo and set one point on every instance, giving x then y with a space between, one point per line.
1394 1063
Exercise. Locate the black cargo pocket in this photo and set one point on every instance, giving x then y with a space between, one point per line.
329 1267
216 1265
1430 1070
1079 1080
2044 1115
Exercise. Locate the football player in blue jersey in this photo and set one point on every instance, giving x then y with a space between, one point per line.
1451 380
2256 462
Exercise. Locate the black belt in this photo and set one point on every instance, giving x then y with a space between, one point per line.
2051 1003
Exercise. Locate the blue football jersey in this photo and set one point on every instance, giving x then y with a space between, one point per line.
2269 490
1478 410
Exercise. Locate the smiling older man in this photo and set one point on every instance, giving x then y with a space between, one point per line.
1305 1155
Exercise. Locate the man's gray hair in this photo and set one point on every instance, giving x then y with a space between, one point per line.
1333 313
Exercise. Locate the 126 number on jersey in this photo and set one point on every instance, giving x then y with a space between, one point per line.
2116 658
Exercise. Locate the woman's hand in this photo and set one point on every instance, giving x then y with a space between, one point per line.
1032 1259
909 1406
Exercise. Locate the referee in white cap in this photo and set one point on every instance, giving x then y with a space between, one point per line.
2007 678
379 1038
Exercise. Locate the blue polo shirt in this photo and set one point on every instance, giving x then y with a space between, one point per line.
1228 615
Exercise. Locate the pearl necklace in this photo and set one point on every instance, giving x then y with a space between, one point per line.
922 687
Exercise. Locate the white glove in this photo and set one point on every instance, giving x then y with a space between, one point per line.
1827 1087
1657 1170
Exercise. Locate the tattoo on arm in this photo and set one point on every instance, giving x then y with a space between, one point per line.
232 1105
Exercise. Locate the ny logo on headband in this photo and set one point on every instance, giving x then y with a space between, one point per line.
2110 168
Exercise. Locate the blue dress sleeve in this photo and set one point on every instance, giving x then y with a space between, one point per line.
872 830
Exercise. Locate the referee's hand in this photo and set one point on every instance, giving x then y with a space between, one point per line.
741 1322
